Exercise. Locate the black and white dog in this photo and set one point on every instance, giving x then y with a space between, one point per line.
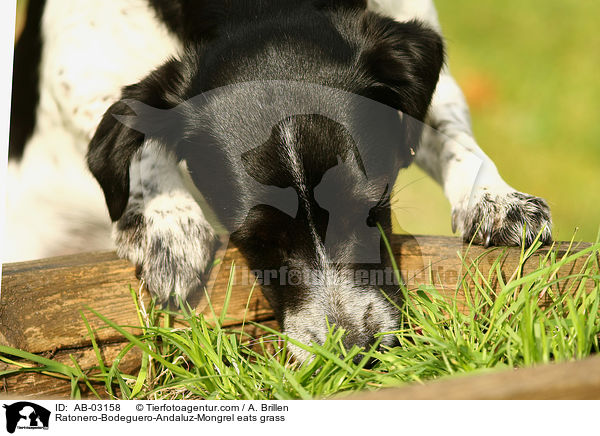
266 102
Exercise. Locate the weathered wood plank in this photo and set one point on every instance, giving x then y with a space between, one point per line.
437 260
564 381
36 385
41 300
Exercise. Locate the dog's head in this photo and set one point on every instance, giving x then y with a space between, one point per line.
300 173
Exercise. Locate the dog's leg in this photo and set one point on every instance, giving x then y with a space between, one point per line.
163 231
484 207
158 225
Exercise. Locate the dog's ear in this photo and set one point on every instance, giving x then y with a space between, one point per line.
109 155
405 59
147 111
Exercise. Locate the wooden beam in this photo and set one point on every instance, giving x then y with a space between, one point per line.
35 385
41 301
563 381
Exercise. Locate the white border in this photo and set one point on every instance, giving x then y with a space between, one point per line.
489 418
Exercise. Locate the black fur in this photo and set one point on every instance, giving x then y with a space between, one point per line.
25 90
402 60
114 144
335 44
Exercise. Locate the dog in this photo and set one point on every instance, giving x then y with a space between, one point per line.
291 118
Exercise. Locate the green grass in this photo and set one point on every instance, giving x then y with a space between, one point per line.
504 329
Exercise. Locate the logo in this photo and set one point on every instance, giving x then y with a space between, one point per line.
379 138
26 415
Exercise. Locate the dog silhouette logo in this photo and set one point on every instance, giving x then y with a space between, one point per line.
375 131
26 415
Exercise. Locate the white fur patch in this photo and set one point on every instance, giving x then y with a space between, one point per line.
91 50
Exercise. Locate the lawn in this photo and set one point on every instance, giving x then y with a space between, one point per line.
529 71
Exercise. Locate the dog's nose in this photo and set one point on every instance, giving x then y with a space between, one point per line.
363 331
360 326
357 338
360 340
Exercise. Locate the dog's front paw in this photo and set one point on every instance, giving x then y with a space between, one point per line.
171 248
499 218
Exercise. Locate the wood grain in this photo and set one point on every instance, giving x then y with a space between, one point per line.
42 301
34 385
564 381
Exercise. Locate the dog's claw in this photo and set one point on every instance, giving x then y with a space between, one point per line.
454 220
499 220
488 240
138 271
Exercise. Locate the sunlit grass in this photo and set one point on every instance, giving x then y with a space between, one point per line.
438 337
